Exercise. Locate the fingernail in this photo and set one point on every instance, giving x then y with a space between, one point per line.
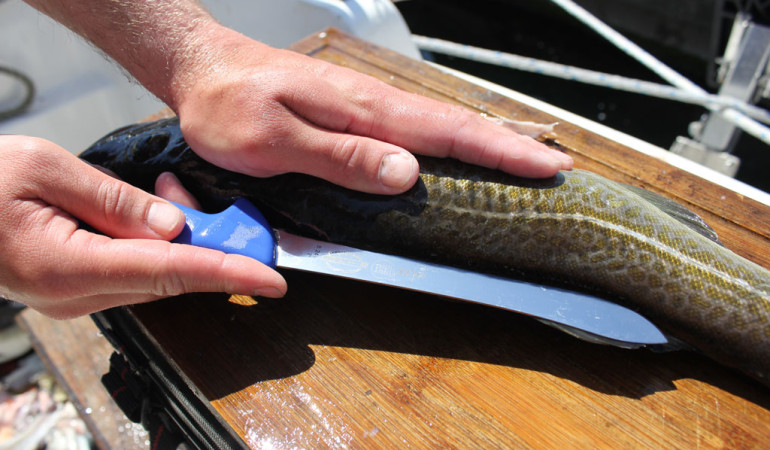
549 161
563 161
163 218
168 177
397 170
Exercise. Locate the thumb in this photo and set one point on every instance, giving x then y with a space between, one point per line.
112 206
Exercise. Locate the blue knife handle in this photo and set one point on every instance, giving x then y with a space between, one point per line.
239 229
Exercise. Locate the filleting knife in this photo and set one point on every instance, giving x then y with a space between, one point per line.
242 229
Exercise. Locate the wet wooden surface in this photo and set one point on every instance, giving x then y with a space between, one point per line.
77 355
338 363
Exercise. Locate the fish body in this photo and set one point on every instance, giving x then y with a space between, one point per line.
577 229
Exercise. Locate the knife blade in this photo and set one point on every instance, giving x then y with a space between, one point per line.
242 229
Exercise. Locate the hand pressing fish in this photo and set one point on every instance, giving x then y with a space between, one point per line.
577 229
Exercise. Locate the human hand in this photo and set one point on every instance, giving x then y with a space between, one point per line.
51 264
261 111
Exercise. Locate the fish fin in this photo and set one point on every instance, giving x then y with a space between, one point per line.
673 345
590 337
677 211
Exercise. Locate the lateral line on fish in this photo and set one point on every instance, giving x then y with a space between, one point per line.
624 230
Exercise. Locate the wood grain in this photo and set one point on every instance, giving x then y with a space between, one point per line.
338 363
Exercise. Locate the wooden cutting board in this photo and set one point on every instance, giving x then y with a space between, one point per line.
339 363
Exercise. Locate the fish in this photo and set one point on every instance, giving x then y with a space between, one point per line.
576 229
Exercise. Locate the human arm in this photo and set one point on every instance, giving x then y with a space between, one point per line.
244 106
262 111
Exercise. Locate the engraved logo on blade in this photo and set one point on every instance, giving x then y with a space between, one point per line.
385 272
344 262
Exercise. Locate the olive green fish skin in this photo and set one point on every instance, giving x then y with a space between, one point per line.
577 228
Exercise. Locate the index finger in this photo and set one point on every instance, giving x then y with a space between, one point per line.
368 107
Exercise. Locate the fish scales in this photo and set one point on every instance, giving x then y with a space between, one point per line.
576 229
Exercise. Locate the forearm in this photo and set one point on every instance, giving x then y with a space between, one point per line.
160 43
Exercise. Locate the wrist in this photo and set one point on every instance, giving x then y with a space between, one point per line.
212 56
170 67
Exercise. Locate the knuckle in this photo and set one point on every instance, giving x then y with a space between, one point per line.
168 273
169 286
117 200
369 98
165 279
366 95
347 156
462 120
328 71
361 124
25 157
32 146
464 125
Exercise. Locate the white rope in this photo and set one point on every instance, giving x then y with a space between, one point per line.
738 119
684 90
628 47
618 82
